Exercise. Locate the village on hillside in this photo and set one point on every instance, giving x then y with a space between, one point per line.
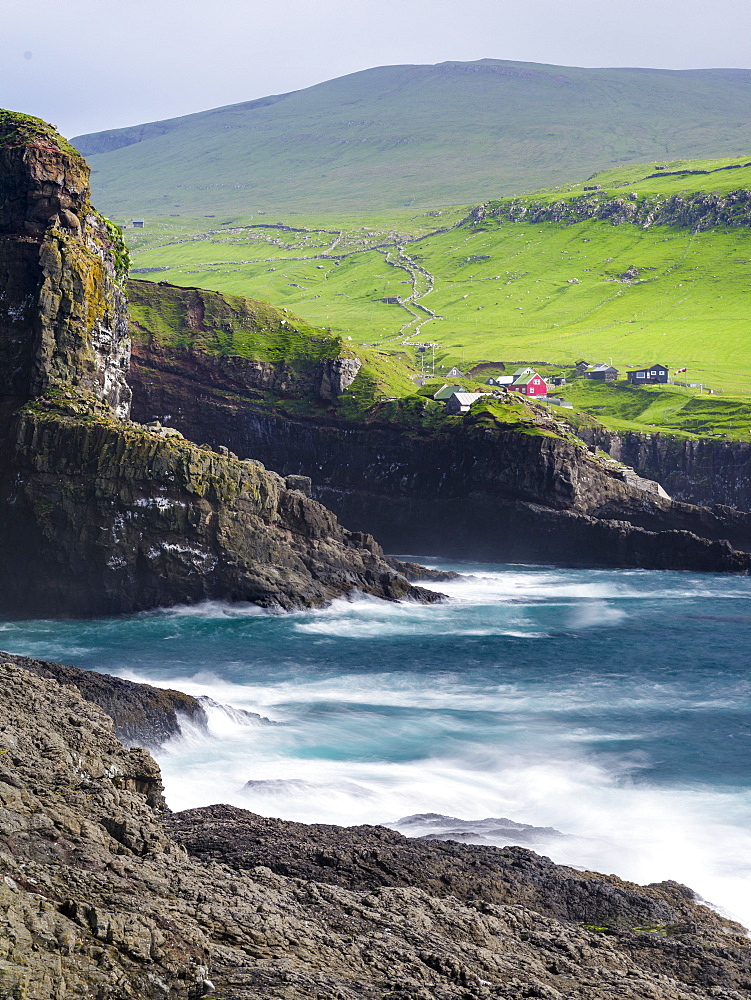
458 399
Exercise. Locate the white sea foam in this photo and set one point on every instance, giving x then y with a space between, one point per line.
211 609
387 710
697 836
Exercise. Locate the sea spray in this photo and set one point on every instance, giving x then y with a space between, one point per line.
610 706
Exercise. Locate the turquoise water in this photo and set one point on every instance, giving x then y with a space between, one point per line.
613 706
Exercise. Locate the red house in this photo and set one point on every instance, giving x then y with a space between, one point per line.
531 384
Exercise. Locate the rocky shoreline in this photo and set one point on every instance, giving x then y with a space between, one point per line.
106 894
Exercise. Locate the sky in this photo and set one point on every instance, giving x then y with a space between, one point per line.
89 65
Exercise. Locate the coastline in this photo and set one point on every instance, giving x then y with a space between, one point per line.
480 707
123 898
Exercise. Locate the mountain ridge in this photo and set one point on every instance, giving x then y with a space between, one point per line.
450 133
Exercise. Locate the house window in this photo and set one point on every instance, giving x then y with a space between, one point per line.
653 373
640 374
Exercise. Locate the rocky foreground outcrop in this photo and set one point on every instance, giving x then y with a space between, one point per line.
105 895
101 515
142 715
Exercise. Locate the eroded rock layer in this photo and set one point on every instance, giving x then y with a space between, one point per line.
143 715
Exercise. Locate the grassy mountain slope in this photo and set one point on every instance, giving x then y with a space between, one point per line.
422 135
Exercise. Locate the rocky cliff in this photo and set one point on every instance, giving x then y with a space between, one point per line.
63 320
696 471
476 487
697 212
100 515
105 895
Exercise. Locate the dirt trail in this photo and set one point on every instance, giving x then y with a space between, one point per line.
423 283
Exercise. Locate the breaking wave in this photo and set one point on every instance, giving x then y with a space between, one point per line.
607 712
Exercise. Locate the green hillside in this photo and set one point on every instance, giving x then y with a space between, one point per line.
417 135
490 289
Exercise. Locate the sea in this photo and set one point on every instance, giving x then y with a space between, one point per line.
599 717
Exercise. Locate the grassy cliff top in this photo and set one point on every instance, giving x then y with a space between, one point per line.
658 178
17 129
178 323
168 318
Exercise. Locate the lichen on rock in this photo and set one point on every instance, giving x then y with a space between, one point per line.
63 318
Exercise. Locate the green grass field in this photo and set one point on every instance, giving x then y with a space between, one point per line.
548 294
666 408
664 177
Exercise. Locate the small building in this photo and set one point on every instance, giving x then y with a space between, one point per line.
137 223
602 373
455 373
557 380
531 385
448 390
500 380
460 402
648 376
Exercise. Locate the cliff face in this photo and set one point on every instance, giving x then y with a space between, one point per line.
468 489
247 343
695 471
63 320
691 211
99 515
104 895
105 517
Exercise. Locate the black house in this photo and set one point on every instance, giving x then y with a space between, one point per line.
647 376
603 373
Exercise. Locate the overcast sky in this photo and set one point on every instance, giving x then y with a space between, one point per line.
88 65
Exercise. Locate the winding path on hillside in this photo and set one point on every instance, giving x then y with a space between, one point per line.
394 254
423 283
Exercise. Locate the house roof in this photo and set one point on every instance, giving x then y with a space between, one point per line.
467 398
521 371
447 390
525 379
647 368
604 368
